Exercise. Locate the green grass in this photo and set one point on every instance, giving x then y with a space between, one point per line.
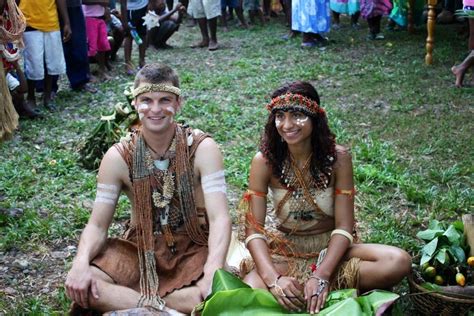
409 129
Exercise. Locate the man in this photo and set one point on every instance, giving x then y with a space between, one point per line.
169 22
206 12
180 227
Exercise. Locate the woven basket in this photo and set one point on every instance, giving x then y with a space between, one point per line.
430 303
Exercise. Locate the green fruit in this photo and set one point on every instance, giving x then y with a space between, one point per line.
439 280
424 266
430 272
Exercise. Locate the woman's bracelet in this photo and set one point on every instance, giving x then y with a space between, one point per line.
322 284
278 290
254 236
275 283
343 233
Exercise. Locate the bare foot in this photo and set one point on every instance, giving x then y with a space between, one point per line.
213 45
459 73
129 69
201 44
103 76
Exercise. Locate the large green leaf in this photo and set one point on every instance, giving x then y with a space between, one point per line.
424 259
339 295
458 253
224 280
441 256
349 306
429 234
435 224
430 248
459 226
380 300
453 235
243 302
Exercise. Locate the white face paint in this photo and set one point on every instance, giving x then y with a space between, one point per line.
141 109
301 121
297 118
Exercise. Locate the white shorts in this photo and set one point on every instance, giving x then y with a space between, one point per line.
12 82
208 9
43 48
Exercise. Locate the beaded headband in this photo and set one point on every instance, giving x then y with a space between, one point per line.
291 101
160 87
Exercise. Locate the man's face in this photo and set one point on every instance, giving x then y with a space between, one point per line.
157 110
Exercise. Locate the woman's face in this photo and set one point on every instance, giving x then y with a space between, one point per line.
293 126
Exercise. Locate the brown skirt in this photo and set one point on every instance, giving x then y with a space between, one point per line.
119 260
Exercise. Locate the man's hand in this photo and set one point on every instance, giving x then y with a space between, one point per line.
66 33
80 283
205 286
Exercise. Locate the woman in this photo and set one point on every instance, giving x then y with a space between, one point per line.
310 178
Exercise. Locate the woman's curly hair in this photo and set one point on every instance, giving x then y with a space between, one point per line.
323 141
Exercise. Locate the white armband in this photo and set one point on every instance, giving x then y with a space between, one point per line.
254 236
107 193
343 233
214 182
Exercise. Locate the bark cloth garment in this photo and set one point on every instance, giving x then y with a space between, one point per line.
120 257
302 252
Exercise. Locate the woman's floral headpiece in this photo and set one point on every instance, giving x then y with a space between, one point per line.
295 102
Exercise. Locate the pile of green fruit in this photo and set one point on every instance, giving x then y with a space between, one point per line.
444 259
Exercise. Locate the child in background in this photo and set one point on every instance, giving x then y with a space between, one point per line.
16 81
133 11
254 9
232 4
43 47
97 35
168 22
372 11
350 7
115 33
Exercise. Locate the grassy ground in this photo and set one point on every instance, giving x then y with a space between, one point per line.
409 128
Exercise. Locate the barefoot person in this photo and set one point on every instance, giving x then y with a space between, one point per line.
310 247
180 227
206 13
460 70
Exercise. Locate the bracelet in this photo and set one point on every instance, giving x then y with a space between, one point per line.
343 233
322 284
275 283
279 291
254 236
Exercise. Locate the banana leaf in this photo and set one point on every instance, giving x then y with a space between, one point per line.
231 296
376 302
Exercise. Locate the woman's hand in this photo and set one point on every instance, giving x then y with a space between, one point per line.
289 293
315 292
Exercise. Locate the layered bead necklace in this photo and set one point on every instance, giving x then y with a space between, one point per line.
163 172
301 200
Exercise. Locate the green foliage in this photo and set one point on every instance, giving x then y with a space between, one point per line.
444 246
